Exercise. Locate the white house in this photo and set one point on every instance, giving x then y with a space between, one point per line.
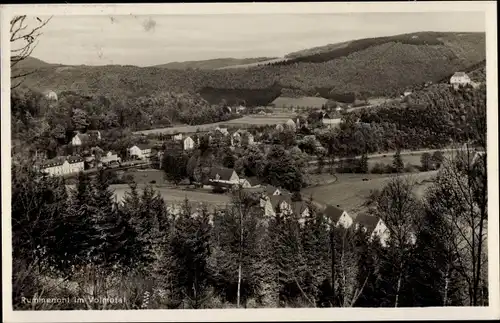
60 166
188 143
223 131
245 183
277 204
177 136
51 95
141 151
224 176
459 79
290 124
330 122
301 210
110 157
82 138
337 217
373 227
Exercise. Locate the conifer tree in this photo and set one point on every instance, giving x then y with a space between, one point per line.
363 163
315 244
190 252
236 256
38 207
397 163
432 270
80 221
110 229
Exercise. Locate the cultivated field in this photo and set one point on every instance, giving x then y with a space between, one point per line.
350 191
301 102
246 121
174 195
255 64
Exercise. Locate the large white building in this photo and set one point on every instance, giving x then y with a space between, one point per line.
61 166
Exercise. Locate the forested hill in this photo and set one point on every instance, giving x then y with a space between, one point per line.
384 67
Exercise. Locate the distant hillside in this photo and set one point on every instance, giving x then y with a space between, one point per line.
212 64
384 68
32 62
333 51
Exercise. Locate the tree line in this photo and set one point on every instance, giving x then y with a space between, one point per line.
45 124
434 118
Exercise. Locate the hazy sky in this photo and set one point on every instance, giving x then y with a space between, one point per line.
151 40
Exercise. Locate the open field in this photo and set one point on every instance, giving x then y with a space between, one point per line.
350 191
275 60
173 195
412 158
177 195
146 176
246 121
301 102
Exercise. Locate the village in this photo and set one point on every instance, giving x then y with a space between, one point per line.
149 153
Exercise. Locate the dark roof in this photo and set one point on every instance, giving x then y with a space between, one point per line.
224 173
254 189
74 159
143 146
367 221
277 199
57 161
299 206
270 189
254 181
333 212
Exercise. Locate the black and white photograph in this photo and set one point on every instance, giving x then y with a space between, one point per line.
252 157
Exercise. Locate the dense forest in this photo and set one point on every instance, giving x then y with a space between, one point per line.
436 117
383 68
48 124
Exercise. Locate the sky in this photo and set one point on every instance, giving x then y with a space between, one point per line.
152 40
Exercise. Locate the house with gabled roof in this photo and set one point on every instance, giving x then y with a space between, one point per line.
177 136
110 157
272 190
373 226
329 120
141 151
222 131
277 204
84 138
223 175
188 143
301 209
247 138
337 217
